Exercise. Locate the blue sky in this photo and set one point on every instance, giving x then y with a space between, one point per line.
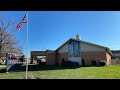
50 29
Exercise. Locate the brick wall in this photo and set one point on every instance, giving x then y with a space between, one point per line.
108 59
50 59
60 56
89 56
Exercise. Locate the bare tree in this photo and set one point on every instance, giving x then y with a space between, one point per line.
8 42
17 48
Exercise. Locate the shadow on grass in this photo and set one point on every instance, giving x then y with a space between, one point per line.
45 67
40 68
2 70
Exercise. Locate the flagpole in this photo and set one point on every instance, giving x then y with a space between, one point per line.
27 47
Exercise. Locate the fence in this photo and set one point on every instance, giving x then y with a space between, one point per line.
114 61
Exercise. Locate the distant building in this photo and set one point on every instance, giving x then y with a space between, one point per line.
115 54
75 50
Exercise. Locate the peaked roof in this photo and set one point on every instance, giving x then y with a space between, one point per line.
106 48
49 51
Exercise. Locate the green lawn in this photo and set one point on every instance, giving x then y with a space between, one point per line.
59 72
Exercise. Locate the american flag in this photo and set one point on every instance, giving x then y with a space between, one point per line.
24 20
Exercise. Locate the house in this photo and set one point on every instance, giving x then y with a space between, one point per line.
115 54
75 50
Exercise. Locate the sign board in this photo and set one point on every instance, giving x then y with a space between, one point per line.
14 62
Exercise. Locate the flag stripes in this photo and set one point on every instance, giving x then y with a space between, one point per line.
24 20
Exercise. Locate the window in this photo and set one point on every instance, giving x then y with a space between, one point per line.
74 49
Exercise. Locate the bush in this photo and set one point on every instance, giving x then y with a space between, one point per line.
102 63
75 64
64 63
69 63
83 63
93 62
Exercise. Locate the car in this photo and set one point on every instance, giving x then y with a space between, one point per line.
41 61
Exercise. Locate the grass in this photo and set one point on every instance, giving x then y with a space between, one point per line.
59 72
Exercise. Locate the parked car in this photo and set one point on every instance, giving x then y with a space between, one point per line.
41 61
